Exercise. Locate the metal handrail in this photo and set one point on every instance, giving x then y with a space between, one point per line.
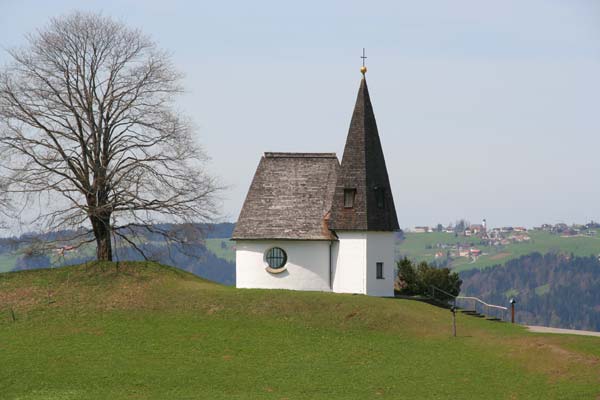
443 291
481 301
453 299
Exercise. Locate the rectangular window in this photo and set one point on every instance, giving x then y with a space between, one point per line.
380 197
349 195
379 266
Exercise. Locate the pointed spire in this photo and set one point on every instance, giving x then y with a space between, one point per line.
363 196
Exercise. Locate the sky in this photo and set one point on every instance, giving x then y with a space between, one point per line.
485 109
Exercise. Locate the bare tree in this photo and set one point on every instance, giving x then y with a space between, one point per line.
90 135
3 203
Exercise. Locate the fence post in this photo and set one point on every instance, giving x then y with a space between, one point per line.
512 310
453 309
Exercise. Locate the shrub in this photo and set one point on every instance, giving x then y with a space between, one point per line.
417 280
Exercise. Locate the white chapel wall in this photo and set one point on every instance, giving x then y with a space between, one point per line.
307 265
350 257
380 248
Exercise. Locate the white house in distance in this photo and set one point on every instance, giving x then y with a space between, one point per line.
309 223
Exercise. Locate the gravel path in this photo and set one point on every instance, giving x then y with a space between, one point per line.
545 329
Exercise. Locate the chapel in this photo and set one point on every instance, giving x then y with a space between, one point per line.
311 223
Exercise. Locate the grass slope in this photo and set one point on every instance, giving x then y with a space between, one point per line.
144 331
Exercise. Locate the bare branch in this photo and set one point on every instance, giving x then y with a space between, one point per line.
86 114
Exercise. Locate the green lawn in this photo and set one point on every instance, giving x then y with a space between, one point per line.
150 332
415 247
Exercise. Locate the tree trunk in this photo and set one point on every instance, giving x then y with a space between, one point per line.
101 226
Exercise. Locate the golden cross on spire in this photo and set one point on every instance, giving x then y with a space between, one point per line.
363 69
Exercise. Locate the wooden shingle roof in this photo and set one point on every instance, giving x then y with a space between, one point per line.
363 169
289 198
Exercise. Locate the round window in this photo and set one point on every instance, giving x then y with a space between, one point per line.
276 259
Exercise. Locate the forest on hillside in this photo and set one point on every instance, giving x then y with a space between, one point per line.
33 251
554 289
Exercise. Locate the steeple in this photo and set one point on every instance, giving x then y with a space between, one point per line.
363 197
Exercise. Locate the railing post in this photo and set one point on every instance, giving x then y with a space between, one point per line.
453 309
512 310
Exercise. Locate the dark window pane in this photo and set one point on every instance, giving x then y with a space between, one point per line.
276 258
380 197
379 271
349 195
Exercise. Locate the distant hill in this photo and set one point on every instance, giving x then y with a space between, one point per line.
552 289
425 246
141 330
555 278
417 246
210 258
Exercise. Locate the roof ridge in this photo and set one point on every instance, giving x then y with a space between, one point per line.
299 155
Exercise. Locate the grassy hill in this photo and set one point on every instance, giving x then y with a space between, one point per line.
14 251
213 259
421 247
143 331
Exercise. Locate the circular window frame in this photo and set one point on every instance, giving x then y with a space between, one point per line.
283 266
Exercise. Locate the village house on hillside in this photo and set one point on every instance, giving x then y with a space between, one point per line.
422 229
311 223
